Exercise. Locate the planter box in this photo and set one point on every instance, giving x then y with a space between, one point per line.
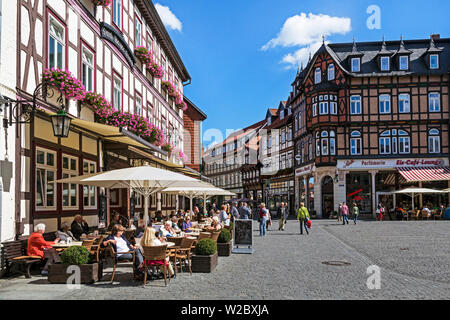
204 264
224 249
90 273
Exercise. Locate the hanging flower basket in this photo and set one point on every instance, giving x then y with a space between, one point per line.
168 148
179 102
155 69
146 58
103 3
71 87
170 88
143 54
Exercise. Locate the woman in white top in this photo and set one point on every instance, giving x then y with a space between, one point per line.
149 240
167 230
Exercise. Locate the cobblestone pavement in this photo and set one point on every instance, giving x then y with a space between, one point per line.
414 258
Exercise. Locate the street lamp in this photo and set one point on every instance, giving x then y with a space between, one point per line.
23 111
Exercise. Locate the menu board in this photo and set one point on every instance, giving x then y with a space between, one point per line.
243 233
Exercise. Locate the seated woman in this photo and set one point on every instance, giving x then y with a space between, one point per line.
37 246
167 230
63 234
215 225
121 246
187 225
149 240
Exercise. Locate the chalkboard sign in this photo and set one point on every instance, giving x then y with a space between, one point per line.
243 236
102 210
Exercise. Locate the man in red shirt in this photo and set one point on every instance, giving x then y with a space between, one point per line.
37 246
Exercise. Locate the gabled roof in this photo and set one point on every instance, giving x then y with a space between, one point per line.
383 51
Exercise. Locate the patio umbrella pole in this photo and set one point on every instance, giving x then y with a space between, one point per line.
204 204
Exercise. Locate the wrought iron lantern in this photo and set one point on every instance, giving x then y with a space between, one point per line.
61 124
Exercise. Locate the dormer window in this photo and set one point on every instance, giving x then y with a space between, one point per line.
385 64
434 61
356 64
318 76
404 63
331 72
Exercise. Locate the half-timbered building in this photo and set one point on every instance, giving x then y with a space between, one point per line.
369 119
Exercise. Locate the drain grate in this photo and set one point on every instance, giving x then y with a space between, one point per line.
404 249
337 263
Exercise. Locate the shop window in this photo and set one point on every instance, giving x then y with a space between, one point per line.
89 192
45 196
69 191
404 103
434 141
359 191
434 102
56 43
88 68
355 143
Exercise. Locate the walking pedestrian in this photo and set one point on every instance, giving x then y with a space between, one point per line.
281 216
263 214
340 212
380 211
355 210
234 212
244 212
303 217
344 213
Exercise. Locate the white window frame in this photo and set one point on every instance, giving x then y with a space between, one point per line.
91 191
434 103
117 13
323 108
385 148
356 143
57 40
432 67
333 108
402 65
357 67
331 72
44 185
404 142
385 63
385 101
332 143
318 76
138 35
314 109
117 92
88 68
355 104
139 110
69 173
404 107
434 141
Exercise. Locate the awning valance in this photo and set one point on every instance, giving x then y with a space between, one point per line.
421 174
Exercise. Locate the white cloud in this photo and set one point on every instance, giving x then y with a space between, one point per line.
306 31
168 18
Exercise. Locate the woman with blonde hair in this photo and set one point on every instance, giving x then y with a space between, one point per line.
149 240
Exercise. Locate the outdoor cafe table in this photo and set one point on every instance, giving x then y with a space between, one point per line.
66 245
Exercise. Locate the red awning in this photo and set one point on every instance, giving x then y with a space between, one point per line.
425 173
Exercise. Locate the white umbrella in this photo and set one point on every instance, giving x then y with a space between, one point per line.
414 190
197 192
144 180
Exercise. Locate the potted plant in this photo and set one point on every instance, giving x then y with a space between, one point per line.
75 256
224 246
206 258
69 85
103 3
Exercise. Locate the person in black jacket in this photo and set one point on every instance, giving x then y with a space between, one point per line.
79 227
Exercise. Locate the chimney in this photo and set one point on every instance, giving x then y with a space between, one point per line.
435 36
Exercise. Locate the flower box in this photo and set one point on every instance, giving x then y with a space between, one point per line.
70 86
90 273
103 3
224 249
204 264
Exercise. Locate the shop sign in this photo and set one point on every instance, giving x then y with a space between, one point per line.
109 33
304 170
390 163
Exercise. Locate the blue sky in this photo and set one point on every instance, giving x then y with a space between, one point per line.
234 81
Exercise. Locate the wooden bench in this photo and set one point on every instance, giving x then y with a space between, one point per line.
14 254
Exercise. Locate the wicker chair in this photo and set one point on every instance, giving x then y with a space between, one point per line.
88 244
215 236
183 253
204 235
438 214
156 254
426 215
96 248
415 216
116 260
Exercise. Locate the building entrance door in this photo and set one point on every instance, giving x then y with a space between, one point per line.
327 197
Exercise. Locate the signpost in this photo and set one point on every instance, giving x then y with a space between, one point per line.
243 236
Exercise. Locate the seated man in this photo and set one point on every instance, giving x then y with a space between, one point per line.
447 213
37 246
115 220
121 246
79 227
426 213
